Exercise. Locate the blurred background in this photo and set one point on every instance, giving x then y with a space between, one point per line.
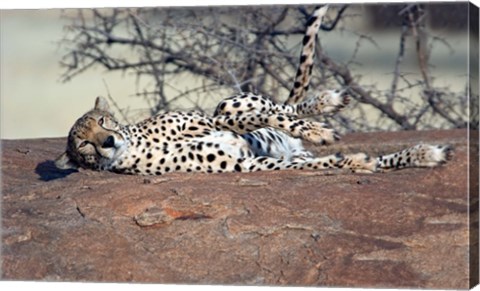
405 65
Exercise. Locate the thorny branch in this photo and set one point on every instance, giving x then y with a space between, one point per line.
396 72
255 49
416 17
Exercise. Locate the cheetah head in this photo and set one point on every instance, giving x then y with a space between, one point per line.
94 141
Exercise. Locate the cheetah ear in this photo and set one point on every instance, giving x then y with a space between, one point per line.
101 104
63 162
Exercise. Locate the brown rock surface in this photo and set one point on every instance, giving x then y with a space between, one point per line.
400 229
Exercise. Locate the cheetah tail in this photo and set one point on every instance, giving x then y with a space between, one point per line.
304 71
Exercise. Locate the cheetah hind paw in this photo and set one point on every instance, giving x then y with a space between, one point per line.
434 155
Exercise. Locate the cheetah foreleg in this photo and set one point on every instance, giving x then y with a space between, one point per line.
315 132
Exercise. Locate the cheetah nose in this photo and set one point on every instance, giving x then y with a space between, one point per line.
109 142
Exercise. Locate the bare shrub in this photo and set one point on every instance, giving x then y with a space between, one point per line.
227 50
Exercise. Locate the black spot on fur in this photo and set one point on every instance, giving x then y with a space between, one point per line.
306 38
210 157
262 159
311 20
223 165
303 58
299 72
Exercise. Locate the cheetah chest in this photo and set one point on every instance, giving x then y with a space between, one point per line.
218 151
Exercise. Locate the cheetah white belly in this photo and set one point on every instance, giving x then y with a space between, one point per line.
277 144
231 143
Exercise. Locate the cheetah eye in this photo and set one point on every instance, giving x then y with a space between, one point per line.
101 121
83 144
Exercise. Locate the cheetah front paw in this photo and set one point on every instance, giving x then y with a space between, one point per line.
335 100
321 135
330 101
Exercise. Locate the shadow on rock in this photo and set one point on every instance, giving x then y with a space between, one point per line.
48 171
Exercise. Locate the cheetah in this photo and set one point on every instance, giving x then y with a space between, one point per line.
246 133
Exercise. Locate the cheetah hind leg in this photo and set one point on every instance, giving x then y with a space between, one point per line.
359 163
419 156
269 164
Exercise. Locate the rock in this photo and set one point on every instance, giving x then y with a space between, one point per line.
408 228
